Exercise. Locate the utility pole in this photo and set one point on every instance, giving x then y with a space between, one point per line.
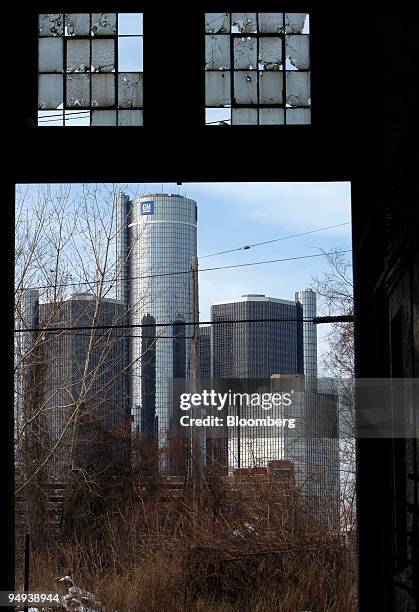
196 442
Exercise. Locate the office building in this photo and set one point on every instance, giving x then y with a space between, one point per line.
157 237
256 350
83 393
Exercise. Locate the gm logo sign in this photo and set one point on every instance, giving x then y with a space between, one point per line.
147 208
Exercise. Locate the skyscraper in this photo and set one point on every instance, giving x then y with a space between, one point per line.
157 238
251 350
77 382
256 350
308 301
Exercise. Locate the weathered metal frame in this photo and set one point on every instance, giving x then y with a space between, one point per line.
65 117
258 34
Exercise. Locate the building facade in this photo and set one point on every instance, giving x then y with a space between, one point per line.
85 372
157 239
256 350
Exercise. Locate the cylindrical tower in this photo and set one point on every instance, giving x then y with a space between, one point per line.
162 240
123 205
308 301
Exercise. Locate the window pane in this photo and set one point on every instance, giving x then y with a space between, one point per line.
130 23
103 90
103 23
217 22
78 90
297 51
50 91
72 118
295 22
130 117
217 52
130 90
270 23
77 24
270 88
298 88
50 118
245 53
243 23
103 117
245 87
103 55
245 116
218 116
271 116
51 24
78 55
298 116
217 89
50 54
270 53
130 54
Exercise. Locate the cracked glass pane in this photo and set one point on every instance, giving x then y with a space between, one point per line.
103 117
245 87
50 118
217 52
103 24
103 90
130 90
217 22
218 116
245 116
271 116
78 91
297 50
130 117
50 55
217 88
130 54
243 23
295 23
103 55
130 23
50 24
77 118
50 91
298 116
270 53
78 55
245 53
271 23
298 88
77 24
270 88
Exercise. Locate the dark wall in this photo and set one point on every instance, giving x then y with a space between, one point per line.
365 92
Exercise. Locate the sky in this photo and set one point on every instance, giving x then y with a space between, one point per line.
231 215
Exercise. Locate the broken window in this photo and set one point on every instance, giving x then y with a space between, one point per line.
90 69
257 69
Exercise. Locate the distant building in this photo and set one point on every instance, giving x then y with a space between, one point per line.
155 245
85 371
256 350
205 351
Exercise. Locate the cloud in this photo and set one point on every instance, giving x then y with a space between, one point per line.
294 206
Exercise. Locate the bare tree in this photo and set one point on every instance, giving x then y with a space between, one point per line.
67 413
335 290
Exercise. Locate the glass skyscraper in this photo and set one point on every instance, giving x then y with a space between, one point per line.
157 239
257 350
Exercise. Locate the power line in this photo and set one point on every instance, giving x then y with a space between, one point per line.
243 265
167 324
251 246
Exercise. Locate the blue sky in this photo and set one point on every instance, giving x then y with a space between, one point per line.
231 215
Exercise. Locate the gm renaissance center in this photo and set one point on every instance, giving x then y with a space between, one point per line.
156 241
